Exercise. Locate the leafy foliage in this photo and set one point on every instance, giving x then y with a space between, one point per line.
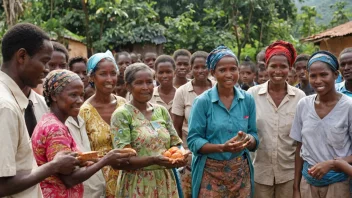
246 26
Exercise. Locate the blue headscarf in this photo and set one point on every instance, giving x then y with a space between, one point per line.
96 58
325 57
217 54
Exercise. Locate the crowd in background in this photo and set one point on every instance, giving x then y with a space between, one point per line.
279 126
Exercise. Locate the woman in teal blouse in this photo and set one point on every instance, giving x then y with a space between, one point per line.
222 129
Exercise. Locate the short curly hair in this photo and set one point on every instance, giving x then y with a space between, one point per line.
345 51
130 72
198 54
76 59
162 59
60 48
22 35
181 52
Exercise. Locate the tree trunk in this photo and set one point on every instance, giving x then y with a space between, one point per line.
13 8
86 24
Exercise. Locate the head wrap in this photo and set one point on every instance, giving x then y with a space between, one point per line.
217 54
56 81
281 48
96 58
325 57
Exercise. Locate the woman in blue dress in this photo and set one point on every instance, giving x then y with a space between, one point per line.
222 131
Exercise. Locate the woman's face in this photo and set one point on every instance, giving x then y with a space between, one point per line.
80 69
105 77
58 61
182 66
199 69
322 78
70 99
123 62
226 72
142 87
278 69
165 73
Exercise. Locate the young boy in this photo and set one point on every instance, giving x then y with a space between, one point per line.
247 74
292 77
262 75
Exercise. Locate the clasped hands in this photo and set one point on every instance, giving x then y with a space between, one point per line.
236 144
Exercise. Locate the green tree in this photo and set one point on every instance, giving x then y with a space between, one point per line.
341 15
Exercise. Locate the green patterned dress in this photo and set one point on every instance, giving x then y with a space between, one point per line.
148 138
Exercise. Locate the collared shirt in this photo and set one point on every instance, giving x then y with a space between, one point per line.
182 104
94 187
211 122
39 105
341 87
275 158
15 143
157 100
323 138
308 90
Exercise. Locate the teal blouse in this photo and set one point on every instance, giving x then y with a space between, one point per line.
211 122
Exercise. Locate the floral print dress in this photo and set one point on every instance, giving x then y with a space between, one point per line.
51 136
100 140
148 138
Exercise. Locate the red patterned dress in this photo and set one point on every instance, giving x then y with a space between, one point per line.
50 137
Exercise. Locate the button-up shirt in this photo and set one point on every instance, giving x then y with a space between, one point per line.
39 105
274 160
15 143
94 187
157 100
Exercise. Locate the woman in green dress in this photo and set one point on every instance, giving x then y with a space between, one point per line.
148 129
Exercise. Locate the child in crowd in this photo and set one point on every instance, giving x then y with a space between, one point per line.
262 75
292 78
247 74
149 59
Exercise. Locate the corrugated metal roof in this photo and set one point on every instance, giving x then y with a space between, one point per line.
341 30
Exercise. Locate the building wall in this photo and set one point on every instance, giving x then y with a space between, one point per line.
76 48
336 45
143 48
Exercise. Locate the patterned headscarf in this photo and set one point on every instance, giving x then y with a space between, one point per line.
281 48
96 58
325 57
217 54
56 81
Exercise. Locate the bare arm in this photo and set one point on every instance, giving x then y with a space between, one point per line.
114 158
139 162
343 166
178 123
298 169
24 179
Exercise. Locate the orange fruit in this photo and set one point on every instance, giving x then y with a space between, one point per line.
180 152
173 149
176 156
167 154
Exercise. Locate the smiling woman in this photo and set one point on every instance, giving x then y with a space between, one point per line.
63 93
322 129
148 129
164 72
97 110
276 103
222 130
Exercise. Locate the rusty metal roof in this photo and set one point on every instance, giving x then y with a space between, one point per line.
341 30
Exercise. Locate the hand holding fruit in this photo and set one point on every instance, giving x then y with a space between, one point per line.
177 157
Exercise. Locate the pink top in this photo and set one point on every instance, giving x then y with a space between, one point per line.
51 136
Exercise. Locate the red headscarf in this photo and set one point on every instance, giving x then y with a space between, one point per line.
281 48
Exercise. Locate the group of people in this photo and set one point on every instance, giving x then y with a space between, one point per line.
277 127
